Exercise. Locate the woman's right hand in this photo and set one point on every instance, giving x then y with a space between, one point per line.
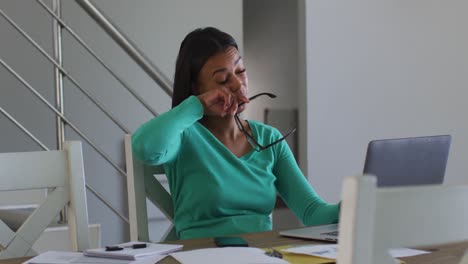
222 101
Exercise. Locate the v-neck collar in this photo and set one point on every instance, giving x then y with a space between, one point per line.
243 157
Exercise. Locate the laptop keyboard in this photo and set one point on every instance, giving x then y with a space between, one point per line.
333 233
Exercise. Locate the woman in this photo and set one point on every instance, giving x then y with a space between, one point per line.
223 172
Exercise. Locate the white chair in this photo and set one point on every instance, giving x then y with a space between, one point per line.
62 173
141 184
373 220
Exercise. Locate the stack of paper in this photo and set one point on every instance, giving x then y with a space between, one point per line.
330 251
133 253
63 257
226 255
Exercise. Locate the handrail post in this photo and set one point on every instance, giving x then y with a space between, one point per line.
127 45
57 35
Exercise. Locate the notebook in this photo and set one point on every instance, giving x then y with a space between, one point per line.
395 162
128 252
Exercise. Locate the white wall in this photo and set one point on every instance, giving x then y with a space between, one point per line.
270 34
157 27
383 69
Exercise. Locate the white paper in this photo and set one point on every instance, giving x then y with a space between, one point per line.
226 255
149 260
325 251
331 251
405 252
133 254
54 257
65 257
84 260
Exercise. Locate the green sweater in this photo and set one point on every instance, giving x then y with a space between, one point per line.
216 193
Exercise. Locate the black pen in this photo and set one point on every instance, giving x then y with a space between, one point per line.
133 246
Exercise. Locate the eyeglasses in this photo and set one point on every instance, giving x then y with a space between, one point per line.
255 145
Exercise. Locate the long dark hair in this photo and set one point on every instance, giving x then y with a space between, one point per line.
196 48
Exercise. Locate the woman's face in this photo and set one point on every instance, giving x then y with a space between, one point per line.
225 69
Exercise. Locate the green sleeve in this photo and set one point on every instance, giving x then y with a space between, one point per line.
158 141
297 192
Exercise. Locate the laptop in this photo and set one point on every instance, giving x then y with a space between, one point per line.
408 161
395 162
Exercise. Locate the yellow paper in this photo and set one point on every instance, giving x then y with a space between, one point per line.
301 259
305 259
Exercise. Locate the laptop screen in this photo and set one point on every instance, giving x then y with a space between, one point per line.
408 161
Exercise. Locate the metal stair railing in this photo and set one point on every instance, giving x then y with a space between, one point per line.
44 147
88 94
93 53
64 72
18 124
125 44
92 144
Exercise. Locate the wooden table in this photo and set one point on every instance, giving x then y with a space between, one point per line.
444 254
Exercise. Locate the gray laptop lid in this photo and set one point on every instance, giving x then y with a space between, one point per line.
408 161
395 162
